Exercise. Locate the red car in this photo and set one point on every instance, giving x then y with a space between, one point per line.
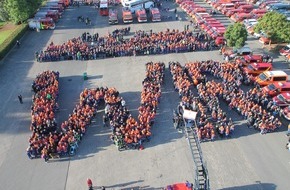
259 11
246 8
239 17
285 50
286 113
247 59
220 40
257 68
276 88
230 12
253 58
282 99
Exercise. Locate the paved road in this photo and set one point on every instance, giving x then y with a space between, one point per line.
246 161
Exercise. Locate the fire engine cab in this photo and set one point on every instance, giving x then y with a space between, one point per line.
141 15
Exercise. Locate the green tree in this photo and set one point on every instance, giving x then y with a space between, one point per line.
3 13
17 10
275 26
236 35
33 5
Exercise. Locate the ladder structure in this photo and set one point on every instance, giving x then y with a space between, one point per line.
201 173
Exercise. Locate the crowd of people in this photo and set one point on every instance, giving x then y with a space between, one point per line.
256 107
114 45
47 140
127 131
253 105
43 122
74 128
218 120
211 118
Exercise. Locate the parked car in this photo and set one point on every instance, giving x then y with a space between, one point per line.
247 59
220 40
257 68
285 50
269 77
276 88
282 99
281 6
250 22
286 113
247 8
230 12
266 3
259 34
232 53
239 17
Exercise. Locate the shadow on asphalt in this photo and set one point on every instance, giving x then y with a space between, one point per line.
120 185
257 186
97 137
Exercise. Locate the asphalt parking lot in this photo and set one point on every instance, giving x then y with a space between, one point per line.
248 160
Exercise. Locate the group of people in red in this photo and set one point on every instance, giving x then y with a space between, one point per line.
256 108
127 131
43 122
142 43
211 118
47 140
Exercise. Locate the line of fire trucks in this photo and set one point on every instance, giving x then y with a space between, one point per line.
141 15
47 16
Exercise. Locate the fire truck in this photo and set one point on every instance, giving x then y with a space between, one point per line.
155 15
57 7
127 15
113 16
64 3
41 24
104 8
141 15
47 14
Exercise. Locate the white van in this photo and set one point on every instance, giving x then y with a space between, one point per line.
135 5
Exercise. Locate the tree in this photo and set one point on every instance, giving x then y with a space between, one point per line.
3 13
17 10
33 6
236 35
275 26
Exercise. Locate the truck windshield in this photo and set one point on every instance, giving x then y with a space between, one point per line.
281 98
263 77
271 87
250 67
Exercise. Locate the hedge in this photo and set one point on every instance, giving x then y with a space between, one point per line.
10 42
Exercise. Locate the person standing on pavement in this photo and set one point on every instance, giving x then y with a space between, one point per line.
90 184
20 99
288 131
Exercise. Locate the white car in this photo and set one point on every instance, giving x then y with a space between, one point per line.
250 22
259 35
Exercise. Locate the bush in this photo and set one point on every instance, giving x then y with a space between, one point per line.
11 40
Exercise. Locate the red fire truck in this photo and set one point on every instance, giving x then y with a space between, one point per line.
104 8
